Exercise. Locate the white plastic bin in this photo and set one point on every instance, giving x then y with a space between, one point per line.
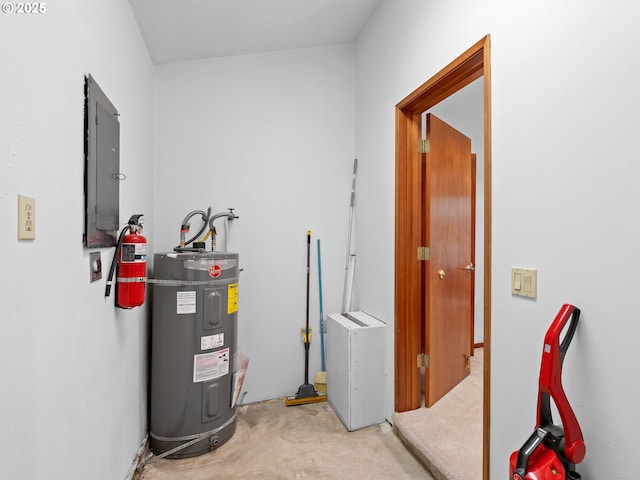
356 368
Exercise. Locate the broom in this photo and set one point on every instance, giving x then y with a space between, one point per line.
306 392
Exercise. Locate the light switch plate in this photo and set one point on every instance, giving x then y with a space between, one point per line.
524 282
26 218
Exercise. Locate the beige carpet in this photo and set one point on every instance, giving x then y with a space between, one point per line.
447 437
273 441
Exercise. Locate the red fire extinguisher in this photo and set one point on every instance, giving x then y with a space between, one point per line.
130 265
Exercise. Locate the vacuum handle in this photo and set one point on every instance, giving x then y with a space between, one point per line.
552 338
530 446
566 341
550 385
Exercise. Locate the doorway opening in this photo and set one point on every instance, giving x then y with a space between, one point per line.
409 213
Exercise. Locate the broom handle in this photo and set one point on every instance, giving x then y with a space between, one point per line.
321 312
307 338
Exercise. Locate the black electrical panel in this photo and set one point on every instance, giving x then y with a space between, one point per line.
102 168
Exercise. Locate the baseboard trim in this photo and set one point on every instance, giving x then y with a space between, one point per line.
134 473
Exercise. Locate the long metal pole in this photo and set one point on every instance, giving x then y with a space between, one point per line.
351 258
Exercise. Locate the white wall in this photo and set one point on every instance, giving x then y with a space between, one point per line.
273 136
72 368
270 135
565 170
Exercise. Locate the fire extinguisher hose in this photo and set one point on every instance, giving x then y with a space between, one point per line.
114 261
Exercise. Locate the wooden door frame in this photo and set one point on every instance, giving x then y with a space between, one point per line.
468 67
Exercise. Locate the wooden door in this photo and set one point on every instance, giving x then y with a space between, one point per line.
448 274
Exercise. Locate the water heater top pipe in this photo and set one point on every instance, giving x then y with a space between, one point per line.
207 219
184 226
230 215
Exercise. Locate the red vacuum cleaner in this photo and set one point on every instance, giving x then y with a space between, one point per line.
552 451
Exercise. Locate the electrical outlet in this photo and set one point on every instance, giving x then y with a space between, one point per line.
95 266
26 218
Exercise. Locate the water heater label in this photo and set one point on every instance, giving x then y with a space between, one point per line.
209 366
232 302
211 341
185 302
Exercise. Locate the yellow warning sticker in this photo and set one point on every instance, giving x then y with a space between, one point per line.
232 294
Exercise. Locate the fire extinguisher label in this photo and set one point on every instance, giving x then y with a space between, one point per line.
134 252
208 366
185 302
211 341
232 295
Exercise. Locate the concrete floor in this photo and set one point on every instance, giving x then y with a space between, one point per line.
273 441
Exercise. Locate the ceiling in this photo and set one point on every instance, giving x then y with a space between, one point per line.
178 30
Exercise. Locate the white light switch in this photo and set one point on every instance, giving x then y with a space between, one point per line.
524 282
517 281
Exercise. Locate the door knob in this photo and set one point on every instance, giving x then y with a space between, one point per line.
470 268
441 274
